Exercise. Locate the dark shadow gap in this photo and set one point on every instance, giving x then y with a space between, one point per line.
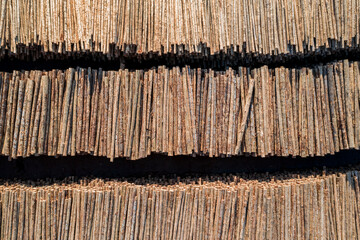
32 59
89 166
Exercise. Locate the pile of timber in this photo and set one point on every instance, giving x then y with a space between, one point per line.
262 112
177 26
288 206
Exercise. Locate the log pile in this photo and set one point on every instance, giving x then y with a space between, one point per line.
178 26
181 111
287 206
275 78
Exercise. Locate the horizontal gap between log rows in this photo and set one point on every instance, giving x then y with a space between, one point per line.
221 61
89 166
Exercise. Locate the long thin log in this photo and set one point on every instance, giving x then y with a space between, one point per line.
245 115
65 111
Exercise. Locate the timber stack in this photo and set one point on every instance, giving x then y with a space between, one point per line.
265 79
312 205
181 111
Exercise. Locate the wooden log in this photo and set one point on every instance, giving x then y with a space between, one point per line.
25 119
128 98
52 109
65 112
134 102
302 114
165 117
149 117
114 116
94 112
37 109
230 147
212 114
68 134
259 137
122 114
72 149
279 104
191 80
339 88
265 105
245 115
53 134
243 87
171 114
189 144
110 114
273 114
80 112
18 109
136 137
10 115
328 133
3 110
357 103
204 114
333 109
290 113
88 86
176 112
43 114
252 136
285 115
310 112
317 118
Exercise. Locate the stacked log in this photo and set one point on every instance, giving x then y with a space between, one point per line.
181 111
178 26
287 206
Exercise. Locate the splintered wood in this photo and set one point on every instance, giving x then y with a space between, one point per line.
287 206
261 112
178 26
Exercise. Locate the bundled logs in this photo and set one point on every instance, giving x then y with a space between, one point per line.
259 111
324 206
177 26
263 112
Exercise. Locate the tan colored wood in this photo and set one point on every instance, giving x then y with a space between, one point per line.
245 115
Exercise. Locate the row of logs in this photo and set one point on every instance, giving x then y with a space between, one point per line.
266 26
324 206
263 112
